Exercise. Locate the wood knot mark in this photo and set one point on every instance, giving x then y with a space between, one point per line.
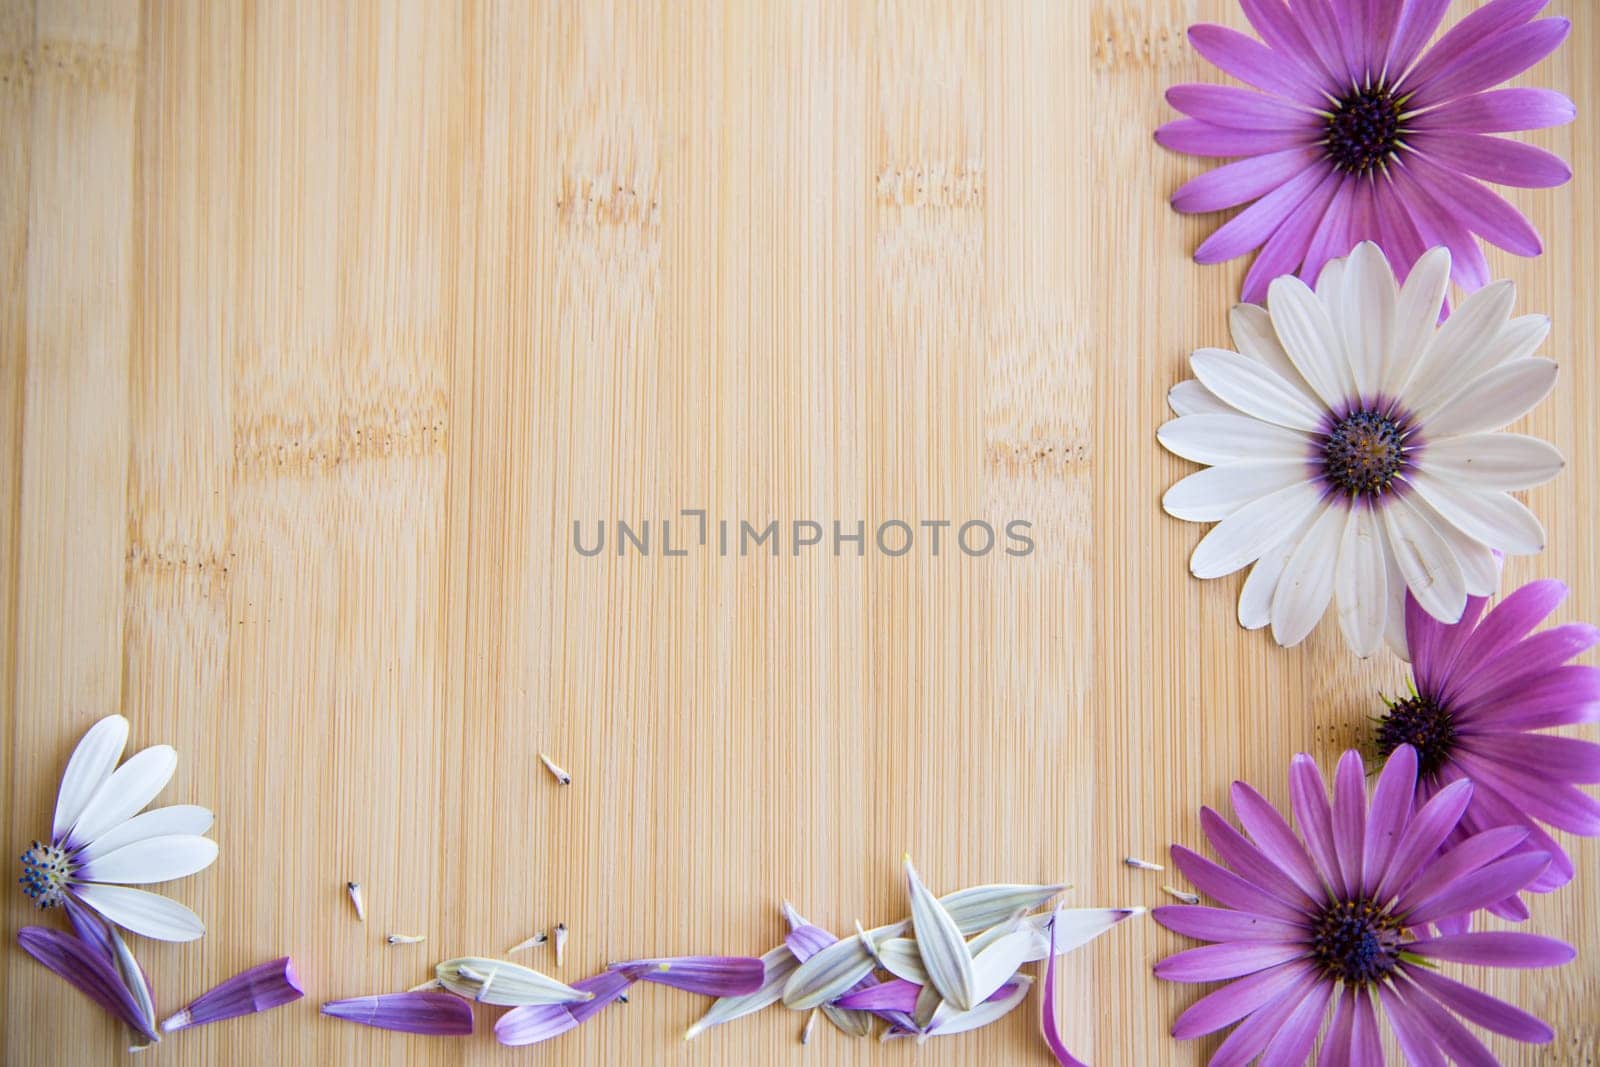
92 66
276 445
936 185
1143 42
1037 456
601 200
177 561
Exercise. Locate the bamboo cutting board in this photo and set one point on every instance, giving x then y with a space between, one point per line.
323 322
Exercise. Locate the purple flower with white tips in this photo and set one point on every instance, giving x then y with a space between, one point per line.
1360 132
1483 690
1344 912
102 842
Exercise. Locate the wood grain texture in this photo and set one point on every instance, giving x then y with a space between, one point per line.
323 322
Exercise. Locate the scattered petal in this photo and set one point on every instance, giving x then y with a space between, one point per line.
264 986
438 1014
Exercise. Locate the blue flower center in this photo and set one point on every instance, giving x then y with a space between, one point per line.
1364 452
1364 130
1355 941
1425 725
46 872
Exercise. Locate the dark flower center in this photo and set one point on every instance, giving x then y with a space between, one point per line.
1364 130
1356 941
1363 452
46 871
1423 724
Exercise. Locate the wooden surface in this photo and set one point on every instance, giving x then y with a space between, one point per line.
321 324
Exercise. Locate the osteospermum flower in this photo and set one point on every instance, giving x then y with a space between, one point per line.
100 845
1341 913
1483 689
1353 448
1358 134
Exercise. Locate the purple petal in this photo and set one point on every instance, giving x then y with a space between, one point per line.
1241 182
1229 888
1442 1028
1289 245
713 976
1438 224
1415 1043
807 940
1391 811
1234 1001
1494 159
1488 23
1281 30
1482 887
1424 834
607 987
1397 233
1488 1012
1252 1035
897 994
264 986
1563 806
1293 1041
1047 1009
1492 62
1231 959
1240 109
1500 111
1489 810
1364 1039
1497 948
1439 872
1195 138
1252 62
1309 798
90 928
1566 696
440 1014
1350 815
1565 759
1510 621
90 972
1531 656
1332 238
1249 861
530 1024
1337 1050
1253 226
1418 19
1435 645
1223 924
1491 215
1277 841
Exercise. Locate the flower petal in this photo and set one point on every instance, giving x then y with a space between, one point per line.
182 819
1196 138
1309 798
1350 816
1256 389
944 950
129 788
1252 62
1488 1012
1240 109
1311 340
490 981
1239 183
1480 888
1224 924
1047 1009
1256 224
1497 948
1361 591
1231 959
144 913
88 971
1457 353
1494 159
90 764
712 976
1503 56
1499 397
1391 811
439 1014
154 859
1430 569
1500 111
1189 397
263 986
1247 534
1226 1006
1215 493
1306 586
1505 461
776 967
947 1020
1493 518
1231 438
1416 317
1228 888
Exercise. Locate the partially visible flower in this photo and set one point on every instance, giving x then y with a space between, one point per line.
439 1014
1353 452
266 985
87 967
1342 912
100 844
1359 134
1482 690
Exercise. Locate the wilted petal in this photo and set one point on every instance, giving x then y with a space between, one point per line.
947 1020
944 951
135 980
1047 1009
1072 928
713 976
500 982
900 957
439 1014
980 907
91 972
266 985
776 967
897 995
830 972
533 1023
847 1022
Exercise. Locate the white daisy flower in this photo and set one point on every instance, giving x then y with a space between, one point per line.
100 844
1353 448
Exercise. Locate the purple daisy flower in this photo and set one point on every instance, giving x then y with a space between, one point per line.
1358 134
1482 688
1342 912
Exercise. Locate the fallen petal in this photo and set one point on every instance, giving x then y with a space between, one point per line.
439 1014
947 1020
944 949
847 1022
1047 1009
713 976
833 970
136 982
90 972
897 995
501 982
776 967
1073 928
900 957
264 986
533 1023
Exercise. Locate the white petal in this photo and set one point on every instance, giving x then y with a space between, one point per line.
1231 439
1480 567
1253 336
1255 598
1490 516
130 787
1255 390
1075 927
1461 349
947 1020
1330 283
1394 630
1242 537
1217 492
144 913
1492 460
1311 339
1496 399
944 950
155 859
157 822
1430 570
1367 315
1361 589
901 959
1189 397
87 769
992 967
1416 318
1306 585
